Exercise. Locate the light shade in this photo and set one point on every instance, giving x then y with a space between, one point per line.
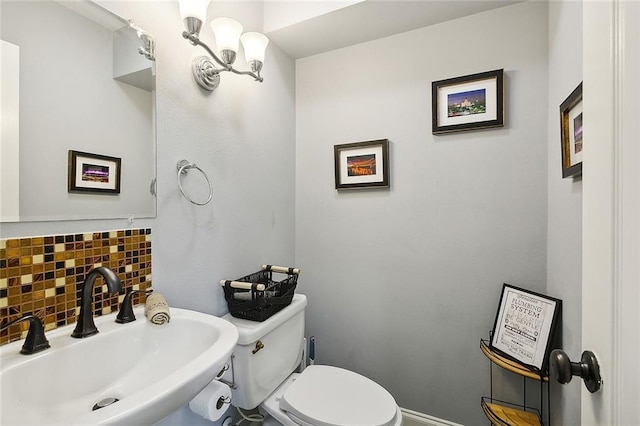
254 45
227 32
194 9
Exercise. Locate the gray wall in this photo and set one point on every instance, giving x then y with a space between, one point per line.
403 283
242 135
564 235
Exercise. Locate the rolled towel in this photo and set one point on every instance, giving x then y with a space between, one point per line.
246 295
156 309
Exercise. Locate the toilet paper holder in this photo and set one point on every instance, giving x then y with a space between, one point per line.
228 366
223 400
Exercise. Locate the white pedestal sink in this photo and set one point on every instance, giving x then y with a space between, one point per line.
151 369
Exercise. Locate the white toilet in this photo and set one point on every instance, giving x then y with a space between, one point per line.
265 357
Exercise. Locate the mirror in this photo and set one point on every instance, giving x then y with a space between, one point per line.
73 80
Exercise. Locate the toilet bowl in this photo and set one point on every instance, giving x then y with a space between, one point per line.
262 374
330 396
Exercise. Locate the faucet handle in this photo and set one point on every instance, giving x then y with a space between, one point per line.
126 314
36 341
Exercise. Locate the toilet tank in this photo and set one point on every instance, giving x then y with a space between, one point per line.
258 372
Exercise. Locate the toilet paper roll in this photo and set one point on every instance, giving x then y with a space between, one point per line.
212 402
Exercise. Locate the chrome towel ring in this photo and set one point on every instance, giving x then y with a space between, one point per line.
183 168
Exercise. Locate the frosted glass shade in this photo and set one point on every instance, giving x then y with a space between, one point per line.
194 9
227 32
254 45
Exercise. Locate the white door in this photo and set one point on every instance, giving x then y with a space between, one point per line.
611 212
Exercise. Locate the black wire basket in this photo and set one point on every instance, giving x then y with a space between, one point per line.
258 296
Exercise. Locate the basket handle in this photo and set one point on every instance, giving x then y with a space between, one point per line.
243 285
281 269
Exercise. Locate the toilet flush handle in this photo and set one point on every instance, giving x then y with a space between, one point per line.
259 345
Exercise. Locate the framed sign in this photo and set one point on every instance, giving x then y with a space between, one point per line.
571 133
93 173
470 102
362 164
525 326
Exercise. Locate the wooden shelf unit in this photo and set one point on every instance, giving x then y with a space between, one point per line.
501 413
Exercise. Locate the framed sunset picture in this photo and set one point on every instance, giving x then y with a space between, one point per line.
362 164
93 173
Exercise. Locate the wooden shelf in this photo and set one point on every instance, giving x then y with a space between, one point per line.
502 415
507 364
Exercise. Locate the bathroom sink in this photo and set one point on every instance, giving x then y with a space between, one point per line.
151 369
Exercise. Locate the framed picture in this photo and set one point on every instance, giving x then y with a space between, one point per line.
93 173
525 327
571 133
362 164
470 102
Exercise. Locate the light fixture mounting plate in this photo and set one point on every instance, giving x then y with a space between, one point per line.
205 72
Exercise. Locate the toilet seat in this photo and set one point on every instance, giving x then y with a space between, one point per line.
330 396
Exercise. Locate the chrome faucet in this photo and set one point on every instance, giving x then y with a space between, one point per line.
85 326
36 340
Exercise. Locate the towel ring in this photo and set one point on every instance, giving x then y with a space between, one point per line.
183 168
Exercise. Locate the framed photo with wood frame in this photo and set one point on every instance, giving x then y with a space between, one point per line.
93 173
362 165
525 327
470 102
571 133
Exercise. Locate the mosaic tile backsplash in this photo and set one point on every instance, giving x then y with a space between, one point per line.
44 275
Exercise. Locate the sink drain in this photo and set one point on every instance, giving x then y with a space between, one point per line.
104 403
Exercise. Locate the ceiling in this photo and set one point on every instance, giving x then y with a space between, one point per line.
371 20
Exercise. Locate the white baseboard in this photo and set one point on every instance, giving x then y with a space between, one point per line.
413 418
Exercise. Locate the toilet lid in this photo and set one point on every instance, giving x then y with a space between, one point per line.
329 396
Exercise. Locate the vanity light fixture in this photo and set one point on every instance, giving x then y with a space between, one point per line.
228 33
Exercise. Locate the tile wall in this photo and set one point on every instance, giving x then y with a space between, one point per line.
44 275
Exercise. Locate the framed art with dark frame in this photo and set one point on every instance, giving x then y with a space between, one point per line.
470 102
525 327
571 133
93 173
362 165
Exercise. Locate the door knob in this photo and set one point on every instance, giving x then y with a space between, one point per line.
588 368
